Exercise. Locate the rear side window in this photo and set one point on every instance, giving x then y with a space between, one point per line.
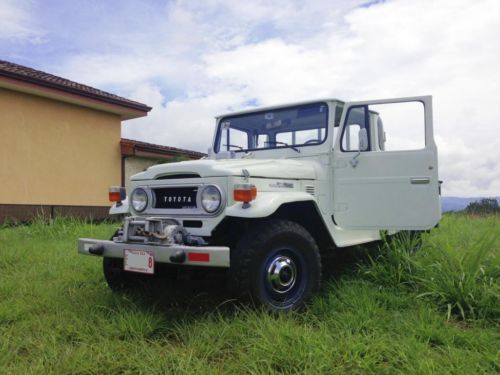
356 120
380 134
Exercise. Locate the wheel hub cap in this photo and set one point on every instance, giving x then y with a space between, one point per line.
281 274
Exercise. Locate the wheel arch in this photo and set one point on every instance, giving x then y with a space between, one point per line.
305 213
308 215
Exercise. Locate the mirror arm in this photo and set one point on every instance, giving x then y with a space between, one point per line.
354 161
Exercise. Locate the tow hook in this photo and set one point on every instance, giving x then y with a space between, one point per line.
97 249
178 257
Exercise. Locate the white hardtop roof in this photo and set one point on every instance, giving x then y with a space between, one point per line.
273 107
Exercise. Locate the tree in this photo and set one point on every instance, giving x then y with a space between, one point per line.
483 207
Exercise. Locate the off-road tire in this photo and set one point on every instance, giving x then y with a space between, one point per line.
270 246
115 276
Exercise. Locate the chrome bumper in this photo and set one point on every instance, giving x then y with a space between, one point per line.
218 256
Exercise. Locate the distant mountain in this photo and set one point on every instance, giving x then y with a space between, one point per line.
458 203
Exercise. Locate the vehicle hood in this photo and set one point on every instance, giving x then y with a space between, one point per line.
267 168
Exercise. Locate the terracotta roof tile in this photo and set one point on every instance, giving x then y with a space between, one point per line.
130 145
23 73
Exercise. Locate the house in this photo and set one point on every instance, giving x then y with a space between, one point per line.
138 156
59 144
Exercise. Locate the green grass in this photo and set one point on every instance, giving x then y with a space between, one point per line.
435 311
458 266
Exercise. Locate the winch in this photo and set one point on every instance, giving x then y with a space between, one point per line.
165 231
171 234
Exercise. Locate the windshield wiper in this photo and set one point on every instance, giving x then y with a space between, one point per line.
241 148
283 143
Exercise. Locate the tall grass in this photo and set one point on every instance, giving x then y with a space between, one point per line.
58 316
458 266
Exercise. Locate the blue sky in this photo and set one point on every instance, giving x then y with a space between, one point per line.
193 60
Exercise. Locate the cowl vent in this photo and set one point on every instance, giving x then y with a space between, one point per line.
309 189
177 176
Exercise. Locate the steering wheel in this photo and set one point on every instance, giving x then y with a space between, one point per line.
312 141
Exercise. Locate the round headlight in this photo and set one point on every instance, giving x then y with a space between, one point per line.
211 198
139 199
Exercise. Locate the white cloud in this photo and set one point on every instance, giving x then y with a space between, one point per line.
209 57
16 22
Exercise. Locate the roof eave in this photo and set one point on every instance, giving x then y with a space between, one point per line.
131 147
32 86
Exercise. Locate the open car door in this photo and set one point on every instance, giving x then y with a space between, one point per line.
385 166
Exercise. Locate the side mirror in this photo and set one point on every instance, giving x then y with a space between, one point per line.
363 140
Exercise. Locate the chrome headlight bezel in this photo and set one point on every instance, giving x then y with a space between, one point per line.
141 204
214 191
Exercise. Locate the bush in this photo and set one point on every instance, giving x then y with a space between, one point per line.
459 271
394 263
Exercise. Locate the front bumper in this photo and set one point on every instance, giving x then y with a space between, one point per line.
218 256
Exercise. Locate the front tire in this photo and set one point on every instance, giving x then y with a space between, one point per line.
277 264
116 278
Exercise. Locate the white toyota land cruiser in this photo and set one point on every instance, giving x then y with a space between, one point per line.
281 186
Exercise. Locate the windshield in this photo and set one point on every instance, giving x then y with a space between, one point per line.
285 127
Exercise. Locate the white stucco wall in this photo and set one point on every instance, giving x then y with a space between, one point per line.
133 165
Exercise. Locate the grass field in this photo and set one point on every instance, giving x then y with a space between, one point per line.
383 311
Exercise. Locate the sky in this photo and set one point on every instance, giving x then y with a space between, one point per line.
193 60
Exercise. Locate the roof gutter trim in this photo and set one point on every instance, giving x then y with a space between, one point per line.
39 82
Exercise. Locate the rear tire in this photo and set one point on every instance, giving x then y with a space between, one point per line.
277 264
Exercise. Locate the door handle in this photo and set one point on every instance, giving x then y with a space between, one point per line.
420 180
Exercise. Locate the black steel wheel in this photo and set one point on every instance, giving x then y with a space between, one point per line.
277 264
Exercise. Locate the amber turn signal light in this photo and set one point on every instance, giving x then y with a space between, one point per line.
117 194
244 193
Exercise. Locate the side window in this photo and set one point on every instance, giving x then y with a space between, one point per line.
380 134
355 125
400 126
338 116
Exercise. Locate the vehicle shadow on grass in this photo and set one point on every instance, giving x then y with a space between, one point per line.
190 291
194 291
341 261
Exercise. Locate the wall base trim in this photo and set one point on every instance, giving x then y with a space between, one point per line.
15 213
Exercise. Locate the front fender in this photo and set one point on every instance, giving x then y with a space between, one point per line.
267 203
122 209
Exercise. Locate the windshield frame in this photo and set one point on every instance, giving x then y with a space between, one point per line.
217 147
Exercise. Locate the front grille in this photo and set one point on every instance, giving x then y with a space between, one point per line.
175 198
